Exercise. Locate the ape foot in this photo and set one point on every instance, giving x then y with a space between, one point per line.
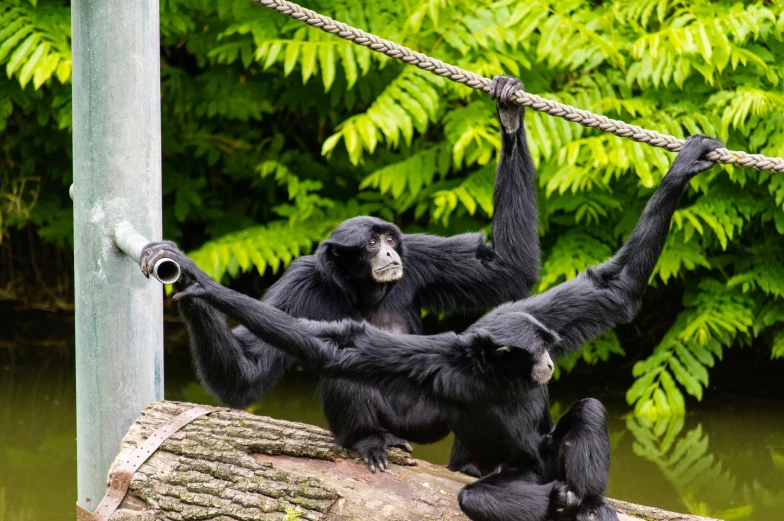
502 89
596 509
396 441
374 449
469 469
564 503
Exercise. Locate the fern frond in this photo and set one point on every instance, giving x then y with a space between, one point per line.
262 247
472 132
595 351
761 268
714 318
405 179
571 254
475 191
34 42
679 256
410 102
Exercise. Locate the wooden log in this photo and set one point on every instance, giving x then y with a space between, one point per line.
233 465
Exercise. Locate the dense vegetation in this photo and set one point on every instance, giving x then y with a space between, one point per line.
273 132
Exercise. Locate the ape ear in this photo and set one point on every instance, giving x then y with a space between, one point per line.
545 334
333 249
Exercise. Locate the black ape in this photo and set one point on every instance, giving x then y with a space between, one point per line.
489 381
347 278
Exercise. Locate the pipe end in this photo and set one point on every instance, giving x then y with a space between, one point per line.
167 271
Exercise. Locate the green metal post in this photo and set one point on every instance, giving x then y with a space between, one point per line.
117 177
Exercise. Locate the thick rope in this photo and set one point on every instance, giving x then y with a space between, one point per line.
526 99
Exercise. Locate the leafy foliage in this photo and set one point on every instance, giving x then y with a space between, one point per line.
273 132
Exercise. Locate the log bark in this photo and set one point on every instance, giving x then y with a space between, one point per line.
232 465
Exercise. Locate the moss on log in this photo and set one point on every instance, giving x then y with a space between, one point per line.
232 465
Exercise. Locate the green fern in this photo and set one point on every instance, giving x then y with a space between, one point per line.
571 254
34 42
595 351
410 102
271 246
714 317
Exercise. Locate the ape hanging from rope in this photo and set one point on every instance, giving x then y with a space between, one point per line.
553 108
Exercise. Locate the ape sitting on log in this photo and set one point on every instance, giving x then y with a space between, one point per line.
490 381
368 270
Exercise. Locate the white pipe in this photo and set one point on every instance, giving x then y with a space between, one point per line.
131 242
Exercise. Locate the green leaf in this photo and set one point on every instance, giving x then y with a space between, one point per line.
26 72
20 53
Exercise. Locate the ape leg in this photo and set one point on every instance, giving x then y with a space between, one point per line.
460 460
507 496
363 418
354 413
580 456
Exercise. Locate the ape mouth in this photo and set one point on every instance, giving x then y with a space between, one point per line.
389 273
389 267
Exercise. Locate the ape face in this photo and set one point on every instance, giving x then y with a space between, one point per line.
367 250
540 362
542 370
385 264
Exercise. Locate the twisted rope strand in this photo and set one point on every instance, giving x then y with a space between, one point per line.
526 99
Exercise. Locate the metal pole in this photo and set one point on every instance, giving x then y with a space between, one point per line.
117 177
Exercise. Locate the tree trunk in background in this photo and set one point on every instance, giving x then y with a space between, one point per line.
234 465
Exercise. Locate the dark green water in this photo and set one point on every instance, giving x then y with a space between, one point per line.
725 460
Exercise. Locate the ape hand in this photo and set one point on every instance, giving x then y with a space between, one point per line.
190 272
155 251
195 290
691 159
510 114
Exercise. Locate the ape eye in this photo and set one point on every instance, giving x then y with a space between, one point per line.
373 243
390 240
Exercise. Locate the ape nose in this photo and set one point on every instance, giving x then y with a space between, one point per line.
550 366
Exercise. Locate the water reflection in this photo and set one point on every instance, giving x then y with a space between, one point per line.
726 462
740 480
37 438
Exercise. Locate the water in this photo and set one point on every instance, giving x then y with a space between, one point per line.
724 459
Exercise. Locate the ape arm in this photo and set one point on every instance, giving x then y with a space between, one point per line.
230 362
465 272
611 293
233 364
447 366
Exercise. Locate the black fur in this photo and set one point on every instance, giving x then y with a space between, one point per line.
481 380
460 273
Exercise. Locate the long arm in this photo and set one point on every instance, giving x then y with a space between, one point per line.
610 294
446 366
465 272
231 363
